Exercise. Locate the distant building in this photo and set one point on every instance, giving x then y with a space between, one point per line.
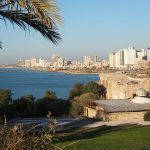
27 63
33 62
89 60
120 109
105 63
112 59
42 62
20 63
144 64
148 54
127 58
57 61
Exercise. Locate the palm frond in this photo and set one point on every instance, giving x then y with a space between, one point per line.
21 19
41 15
0 45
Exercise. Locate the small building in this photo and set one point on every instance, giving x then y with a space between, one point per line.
120 109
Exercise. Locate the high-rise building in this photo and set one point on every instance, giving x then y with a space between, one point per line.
27 63
112 59
33 62
148 54
128 57
42 62
20 63
89 60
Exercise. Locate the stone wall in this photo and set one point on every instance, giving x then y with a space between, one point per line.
120 86
94 113
120 116
89 112
116 116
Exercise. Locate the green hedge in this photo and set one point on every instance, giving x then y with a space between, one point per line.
147 116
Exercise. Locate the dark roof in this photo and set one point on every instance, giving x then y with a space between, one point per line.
122 106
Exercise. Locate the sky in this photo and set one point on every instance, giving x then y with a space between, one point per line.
90 27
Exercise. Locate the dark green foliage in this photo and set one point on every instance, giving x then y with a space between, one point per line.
90 87
24 106
5 97
95 88
83 95
77 90
57 107
147 116
27 106
7 110
50 95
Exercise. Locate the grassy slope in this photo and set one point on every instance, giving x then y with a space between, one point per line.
107 138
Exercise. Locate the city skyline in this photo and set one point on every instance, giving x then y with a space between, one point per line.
89 28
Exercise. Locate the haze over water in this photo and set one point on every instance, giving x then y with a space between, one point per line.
24 82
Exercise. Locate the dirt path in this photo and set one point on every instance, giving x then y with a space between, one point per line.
118 123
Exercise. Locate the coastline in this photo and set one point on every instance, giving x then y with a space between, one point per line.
68 71
74 72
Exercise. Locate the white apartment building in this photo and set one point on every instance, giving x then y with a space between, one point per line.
42 62
112 59
125 58
27 63
148 54
33 62
89 60
57 61
20 63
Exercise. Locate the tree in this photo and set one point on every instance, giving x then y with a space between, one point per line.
95 88
24 106
86 98
75 109
77 90
50 95
42 105
41 15
5 97
79 102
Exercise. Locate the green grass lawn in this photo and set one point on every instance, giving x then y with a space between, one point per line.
128 137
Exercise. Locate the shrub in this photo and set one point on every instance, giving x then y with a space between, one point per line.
5 97
75 109
18 138
77 90
147 116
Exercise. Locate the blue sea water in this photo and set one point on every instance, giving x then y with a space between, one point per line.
23 82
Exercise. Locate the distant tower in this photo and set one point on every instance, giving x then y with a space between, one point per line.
53 56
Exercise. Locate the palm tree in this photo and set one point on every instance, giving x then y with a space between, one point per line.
41 15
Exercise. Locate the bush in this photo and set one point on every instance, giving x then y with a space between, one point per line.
95 88
147 116
24 106
18 138
86 99
5 97
76 109
77 90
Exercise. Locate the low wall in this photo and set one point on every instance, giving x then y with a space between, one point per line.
89 112
125 116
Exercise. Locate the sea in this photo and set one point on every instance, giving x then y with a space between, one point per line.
32 82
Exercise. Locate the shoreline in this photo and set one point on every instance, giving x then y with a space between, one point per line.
74 72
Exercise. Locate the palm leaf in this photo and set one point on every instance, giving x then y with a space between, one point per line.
41 15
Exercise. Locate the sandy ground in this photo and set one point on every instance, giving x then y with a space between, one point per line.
118 123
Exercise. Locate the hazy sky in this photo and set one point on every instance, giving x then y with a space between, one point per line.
91 27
